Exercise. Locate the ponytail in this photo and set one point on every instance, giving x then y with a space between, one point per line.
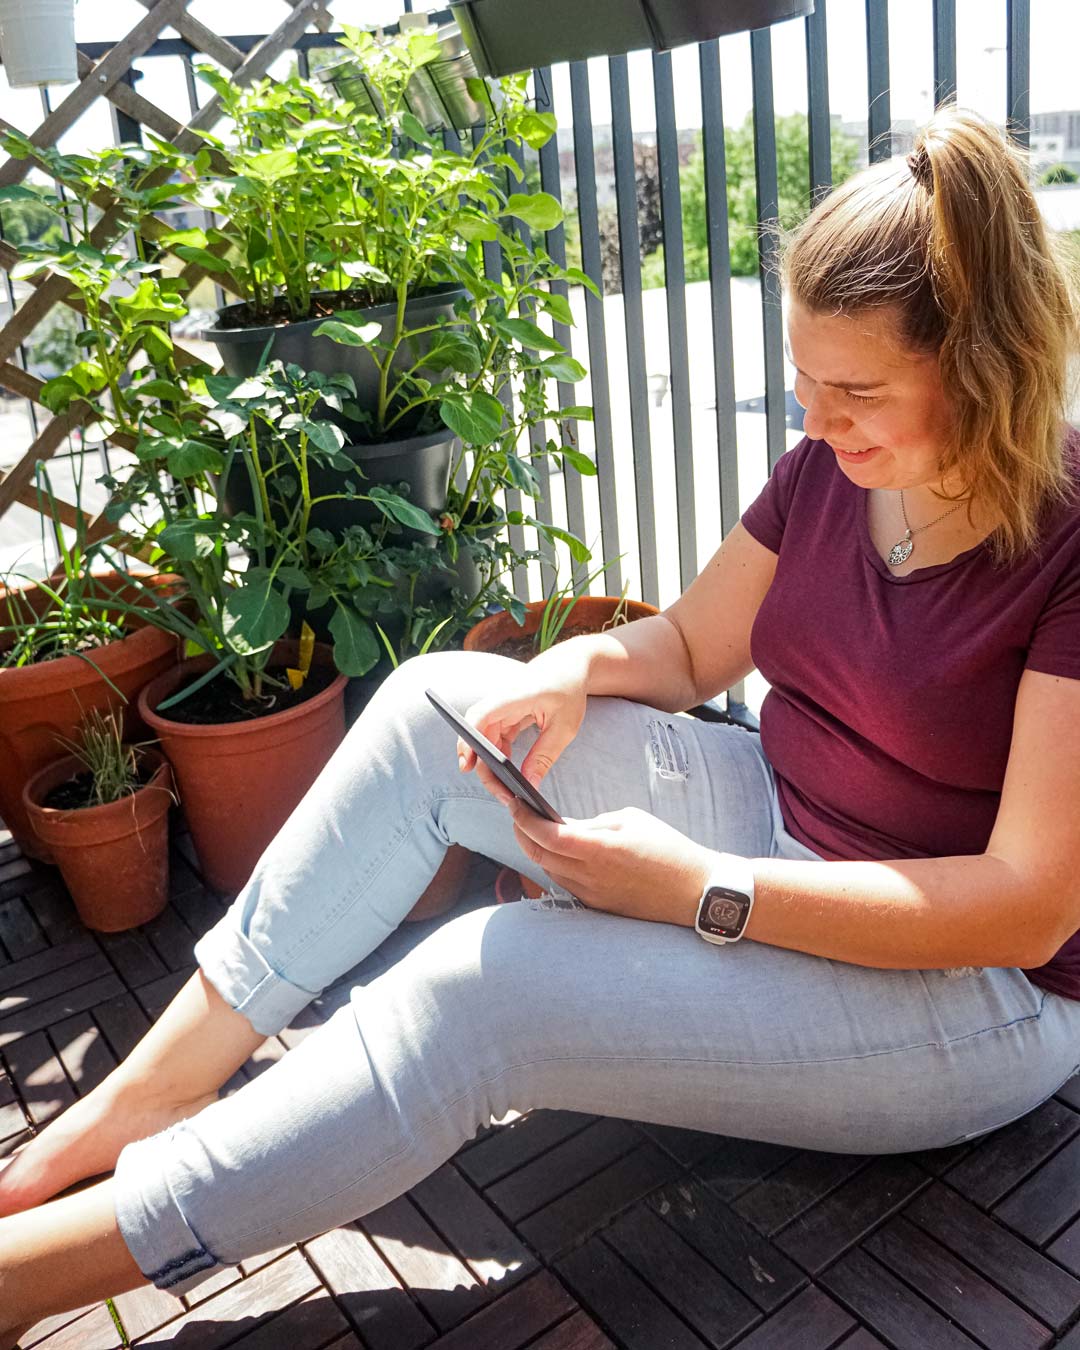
952 237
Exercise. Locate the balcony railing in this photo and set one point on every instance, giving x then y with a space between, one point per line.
688 381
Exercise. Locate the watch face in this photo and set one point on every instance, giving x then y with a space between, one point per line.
724 912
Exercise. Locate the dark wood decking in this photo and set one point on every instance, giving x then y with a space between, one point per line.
560 1231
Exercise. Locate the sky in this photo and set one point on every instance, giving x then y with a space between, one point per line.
981 29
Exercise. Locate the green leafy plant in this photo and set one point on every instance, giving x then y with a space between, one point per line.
77 616
251 574
129 368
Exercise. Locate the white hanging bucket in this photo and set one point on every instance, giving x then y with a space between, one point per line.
37 42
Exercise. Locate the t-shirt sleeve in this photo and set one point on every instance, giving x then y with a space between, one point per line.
766 516
1055 644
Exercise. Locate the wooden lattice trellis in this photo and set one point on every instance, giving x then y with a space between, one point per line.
106 79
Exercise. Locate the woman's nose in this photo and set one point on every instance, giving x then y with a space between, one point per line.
822 417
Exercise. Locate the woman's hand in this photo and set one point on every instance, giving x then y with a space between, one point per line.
550 695
626 862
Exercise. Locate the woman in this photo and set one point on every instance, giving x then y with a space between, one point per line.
898 849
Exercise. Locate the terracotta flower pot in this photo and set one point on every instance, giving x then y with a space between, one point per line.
114 858
240 781
41 703
590 614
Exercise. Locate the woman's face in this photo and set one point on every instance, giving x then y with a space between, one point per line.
880 407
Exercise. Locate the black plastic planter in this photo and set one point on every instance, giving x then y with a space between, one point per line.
421 462
510 35
241 348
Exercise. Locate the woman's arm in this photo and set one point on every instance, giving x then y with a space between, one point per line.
1014 905
698 647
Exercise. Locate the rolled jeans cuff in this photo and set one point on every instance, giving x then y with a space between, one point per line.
246 981
150 1221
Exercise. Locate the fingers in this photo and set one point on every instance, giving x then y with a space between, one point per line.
549 745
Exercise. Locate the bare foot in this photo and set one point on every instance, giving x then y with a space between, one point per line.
84 1142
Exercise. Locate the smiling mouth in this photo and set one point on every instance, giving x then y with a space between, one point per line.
864 451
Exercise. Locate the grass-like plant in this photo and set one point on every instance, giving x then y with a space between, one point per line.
100 748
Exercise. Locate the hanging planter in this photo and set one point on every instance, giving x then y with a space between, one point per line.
37 42
438 95
509 35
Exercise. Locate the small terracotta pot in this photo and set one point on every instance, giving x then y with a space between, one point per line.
44 703
240 781
114 858
590 613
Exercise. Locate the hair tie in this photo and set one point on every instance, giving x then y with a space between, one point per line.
921 169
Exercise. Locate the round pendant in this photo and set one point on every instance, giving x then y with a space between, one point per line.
900 552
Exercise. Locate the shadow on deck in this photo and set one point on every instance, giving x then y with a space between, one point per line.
559 1231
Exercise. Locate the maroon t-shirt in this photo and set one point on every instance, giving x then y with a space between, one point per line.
890 712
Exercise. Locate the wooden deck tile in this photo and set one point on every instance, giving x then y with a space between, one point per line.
956 1289
39 1077
369 1292
560 1230
1038 1284
241 1308
568 1220
701 1296
892 1310
624 1303
532 1308
755 1266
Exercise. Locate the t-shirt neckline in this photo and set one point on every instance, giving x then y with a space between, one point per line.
882 567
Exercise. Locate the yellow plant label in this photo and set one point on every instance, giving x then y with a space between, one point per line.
303 665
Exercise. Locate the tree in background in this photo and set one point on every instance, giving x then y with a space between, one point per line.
793 183
1058 173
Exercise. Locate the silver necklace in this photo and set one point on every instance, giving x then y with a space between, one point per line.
902 550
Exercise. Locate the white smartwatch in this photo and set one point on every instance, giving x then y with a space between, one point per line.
727 900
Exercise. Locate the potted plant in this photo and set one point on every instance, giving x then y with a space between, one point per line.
353 253
102 812
254 716
69 644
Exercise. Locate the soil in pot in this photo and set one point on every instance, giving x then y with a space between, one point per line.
220 703
324 304
78 792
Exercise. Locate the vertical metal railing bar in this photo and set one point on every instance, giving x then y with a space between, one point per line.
1018 64
622 135
944 52
555 242
819 122
513 497
303 66
716 210
493 268
667 147
879 113
589 226
768 212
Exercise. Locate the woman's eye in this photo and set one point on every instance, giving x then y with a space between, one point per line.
860 398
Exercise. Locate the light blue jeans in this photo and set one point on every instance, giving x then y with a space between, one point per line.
538 1004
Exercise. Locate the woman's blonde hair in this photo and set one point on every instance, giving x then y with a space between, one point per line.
951 236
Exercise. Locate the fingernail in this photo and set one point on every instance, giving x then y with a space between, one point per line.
461 763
